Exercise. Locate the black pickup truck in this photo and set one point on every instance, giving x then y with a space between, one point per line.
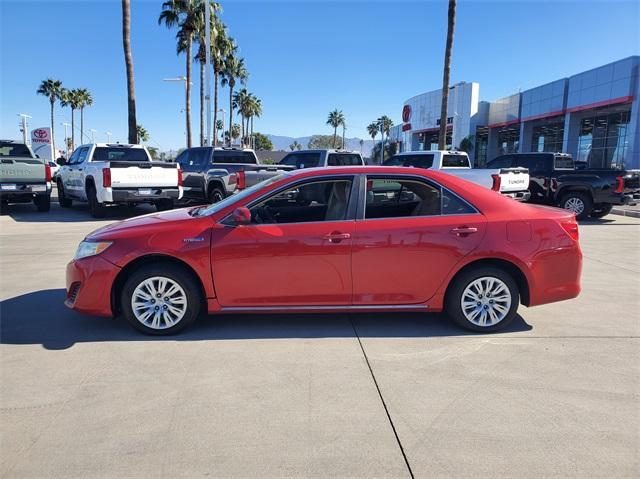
554 180
211 174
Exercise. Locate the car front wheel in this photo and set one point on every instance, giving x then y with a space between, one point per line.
160 300
483 299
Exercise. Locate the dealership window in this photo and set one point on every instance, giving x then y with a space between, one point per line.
509 139
547 138
316 201
428 141
603 141
482 143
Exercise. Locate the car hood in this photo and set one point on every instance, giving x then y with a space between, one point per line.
152 221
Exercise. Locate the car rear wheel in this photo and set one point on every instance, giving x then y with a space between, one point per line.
43 203
216 194
97 209
62 197
578 202
601 212
164 204
161 300
483 299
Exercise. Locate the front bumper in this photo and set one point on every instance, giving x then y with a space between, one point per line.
89 283
144 195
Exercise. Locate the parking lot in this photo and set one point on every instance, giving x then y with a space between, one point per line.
342 395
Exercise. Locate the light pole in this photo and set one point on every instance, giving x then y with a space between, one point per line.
207 46
93 135
66 143
108 136
184 80
25 127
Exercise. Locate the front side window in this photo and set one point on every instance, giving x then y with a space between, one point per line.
316 201
82 155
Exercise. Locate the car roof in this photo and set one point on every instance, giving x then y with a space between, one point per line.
320 150
112 145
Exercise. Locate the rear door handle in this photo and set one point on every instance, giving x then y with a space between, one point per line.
337 237
464 230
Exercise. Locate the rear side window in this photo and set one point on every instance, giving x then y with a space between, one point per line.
234 157
344 159
455 161
563 163
454 205
395 198
103 153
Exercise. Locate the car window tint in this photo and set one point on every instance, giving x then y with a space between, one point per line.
416 161
290 159
183 160
500 162
316 201
455 161
8 148
563 163
393 198
454 205
102 153
343 159
223 156
74 157
82 155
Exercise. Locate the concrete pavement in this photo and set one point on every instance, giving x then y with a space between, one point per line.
372 395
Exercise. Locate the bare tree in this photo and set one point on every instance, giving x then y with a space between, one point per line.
128 60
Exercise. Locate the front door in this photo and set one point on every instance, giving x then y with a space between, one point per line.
408 238
74 178
295 252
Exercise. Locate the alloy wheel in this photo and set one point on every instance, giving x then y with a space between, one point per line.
159 302
575 205
486 301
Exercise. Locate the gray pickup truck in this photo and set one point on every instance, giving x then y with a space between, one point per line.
23 176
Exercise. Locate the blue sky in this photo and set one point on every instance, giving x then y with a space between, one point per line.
304 58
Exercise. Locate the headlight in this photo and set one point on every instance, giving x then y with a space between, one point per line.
90 248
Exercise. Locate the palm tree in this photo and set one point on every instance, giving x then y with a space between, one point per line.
335 119
241 103
373 128
71 98
235 132
386 123
219 127
85 99
255 109
142 134
128 60
234 70
295 145
344 127
53 90
442 136
361 145
221 48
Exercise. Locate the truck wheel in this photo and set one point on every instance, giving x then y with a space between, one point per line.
215 194
578 202
601 212
97 209
62 197
42 202
164 204
161 299
483 299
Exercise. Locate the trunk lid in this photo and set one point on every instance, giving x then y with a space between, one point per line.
136 174
22 170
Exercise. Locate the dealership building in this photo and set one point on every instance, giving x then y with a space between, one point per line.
593 115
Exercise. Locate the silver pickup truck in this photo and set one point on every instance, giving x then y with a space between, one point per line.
23 176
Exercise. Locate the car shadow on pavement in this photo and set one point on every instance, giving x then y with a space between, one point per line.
26 213
41 318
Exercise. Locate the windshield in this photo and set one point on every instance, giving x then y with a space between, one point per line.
103 153
8 148
215 207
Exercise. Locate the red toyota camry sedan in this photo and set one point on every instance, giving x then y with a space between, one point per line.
332 239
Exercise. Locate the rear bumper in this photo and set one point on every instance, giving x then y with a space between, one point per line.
554 275
139 195
89 282
518 195
24 192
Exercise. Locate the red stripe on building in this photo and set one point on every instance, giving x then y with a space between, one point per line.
614 101
432 130
544 115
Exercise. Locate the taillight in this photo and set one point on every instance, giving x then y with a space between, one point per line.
241 180
369 185
571 228
47 173
496 182
106 177
233 179
179 176
619 184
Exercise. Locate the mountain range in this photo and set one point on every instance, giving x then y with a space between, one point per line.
283 142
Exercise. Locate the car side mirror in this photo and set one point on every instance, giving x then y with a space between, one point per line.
241 216
61 161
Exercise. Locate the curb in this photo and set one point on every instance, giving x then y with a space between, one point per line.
623 212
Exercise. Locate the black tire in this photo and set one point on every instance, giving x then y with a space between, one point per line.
164 204
97 209
43 203
601 212
175 273
215 194
62 197
574 199
453 301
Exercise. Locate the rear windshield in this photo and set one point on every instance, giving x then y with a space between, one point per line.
234 157
104 153
455 161
301 160
20 150
344 159
417 161
563 163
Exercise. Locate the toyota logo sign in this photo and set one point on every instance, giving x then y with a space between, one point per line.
406 113
40 133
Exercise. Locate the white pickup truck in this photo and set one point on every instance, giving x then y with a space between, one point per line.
105 174
512 182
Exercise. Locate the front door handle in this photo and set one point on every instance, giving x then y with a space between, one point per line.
336 237
464 230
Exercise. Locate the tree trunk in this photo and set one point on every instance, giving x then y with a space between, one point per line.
53 135
442 136
188 93
335 132
230 127
73 133
128 60
253 141
202 104
215 108
343 128
81 124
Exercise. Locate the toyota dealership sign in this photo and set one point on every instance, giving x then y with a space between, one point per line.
41 142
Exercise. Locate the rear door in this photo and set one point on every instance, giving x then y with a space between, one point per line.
409 234
193 173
